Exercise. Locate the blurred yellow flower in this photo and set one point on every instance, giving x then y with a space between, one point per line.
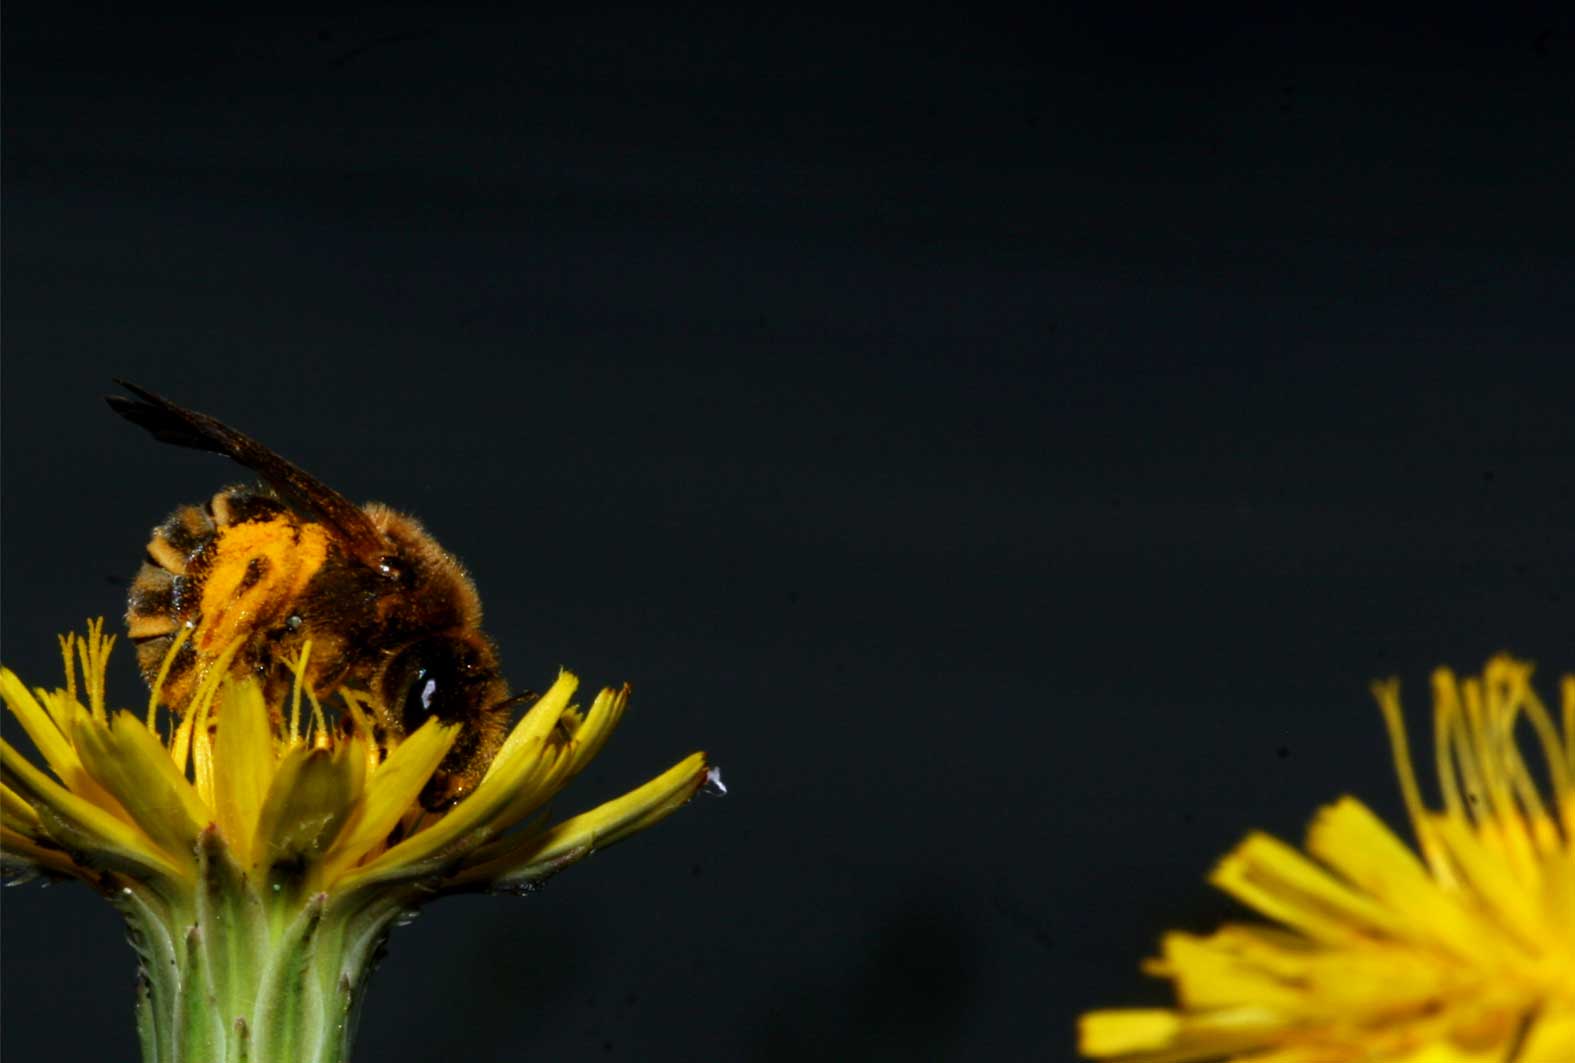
1465 954
261 853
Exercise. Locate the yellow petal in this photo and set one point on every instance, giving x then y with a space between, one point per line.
1115 1032
308 804
1350 838
1551 1038
136 769
390 793
39 725
606 711
1280 882
546 777
533 728
1268 951
44 730
81 827
1511 904
634 811
243 764
563 761
586 741
538 854
24 839
16 814
201 758
587 737
1210 972
1153 1035
22 856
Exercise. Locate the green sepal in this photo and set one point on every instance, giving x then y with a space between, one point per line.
148 929
249 978
358 932
289 1015
147 1022
234 930
242 1041
197 1010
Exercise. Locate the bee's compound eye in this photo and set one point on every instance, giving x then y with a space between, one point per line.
424 681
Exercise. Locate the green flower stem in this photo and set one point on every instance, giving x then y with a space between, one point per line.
231 974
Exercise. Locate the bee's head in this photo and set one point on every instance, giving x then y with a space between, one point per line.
454 678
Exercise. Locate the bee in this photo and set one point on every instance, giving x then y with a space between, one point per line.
268 568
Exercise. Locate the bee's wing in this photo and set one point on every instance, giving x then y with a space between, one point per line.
181 427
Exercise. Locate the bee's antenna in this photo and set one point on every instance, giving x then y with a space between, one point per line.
516 699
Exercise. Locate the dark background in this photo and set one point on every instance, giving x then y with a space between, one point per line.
1009 444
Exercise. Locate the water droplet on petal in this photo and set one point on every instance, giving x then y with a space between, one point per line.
713 785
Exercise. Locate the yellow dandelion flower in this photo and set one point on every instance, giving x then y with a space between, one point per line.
261 853
1462 954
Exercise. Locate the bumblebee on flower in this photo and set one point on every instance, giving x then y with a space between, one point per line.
327 745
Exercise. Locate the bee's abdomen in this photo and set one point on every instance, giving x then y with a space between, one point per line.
179 539
155 605
168 591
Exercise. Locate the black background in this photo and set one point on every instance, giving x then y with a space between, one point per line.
1009 444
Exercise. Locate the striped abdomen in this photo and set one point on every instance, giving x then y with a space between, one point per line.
233 571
